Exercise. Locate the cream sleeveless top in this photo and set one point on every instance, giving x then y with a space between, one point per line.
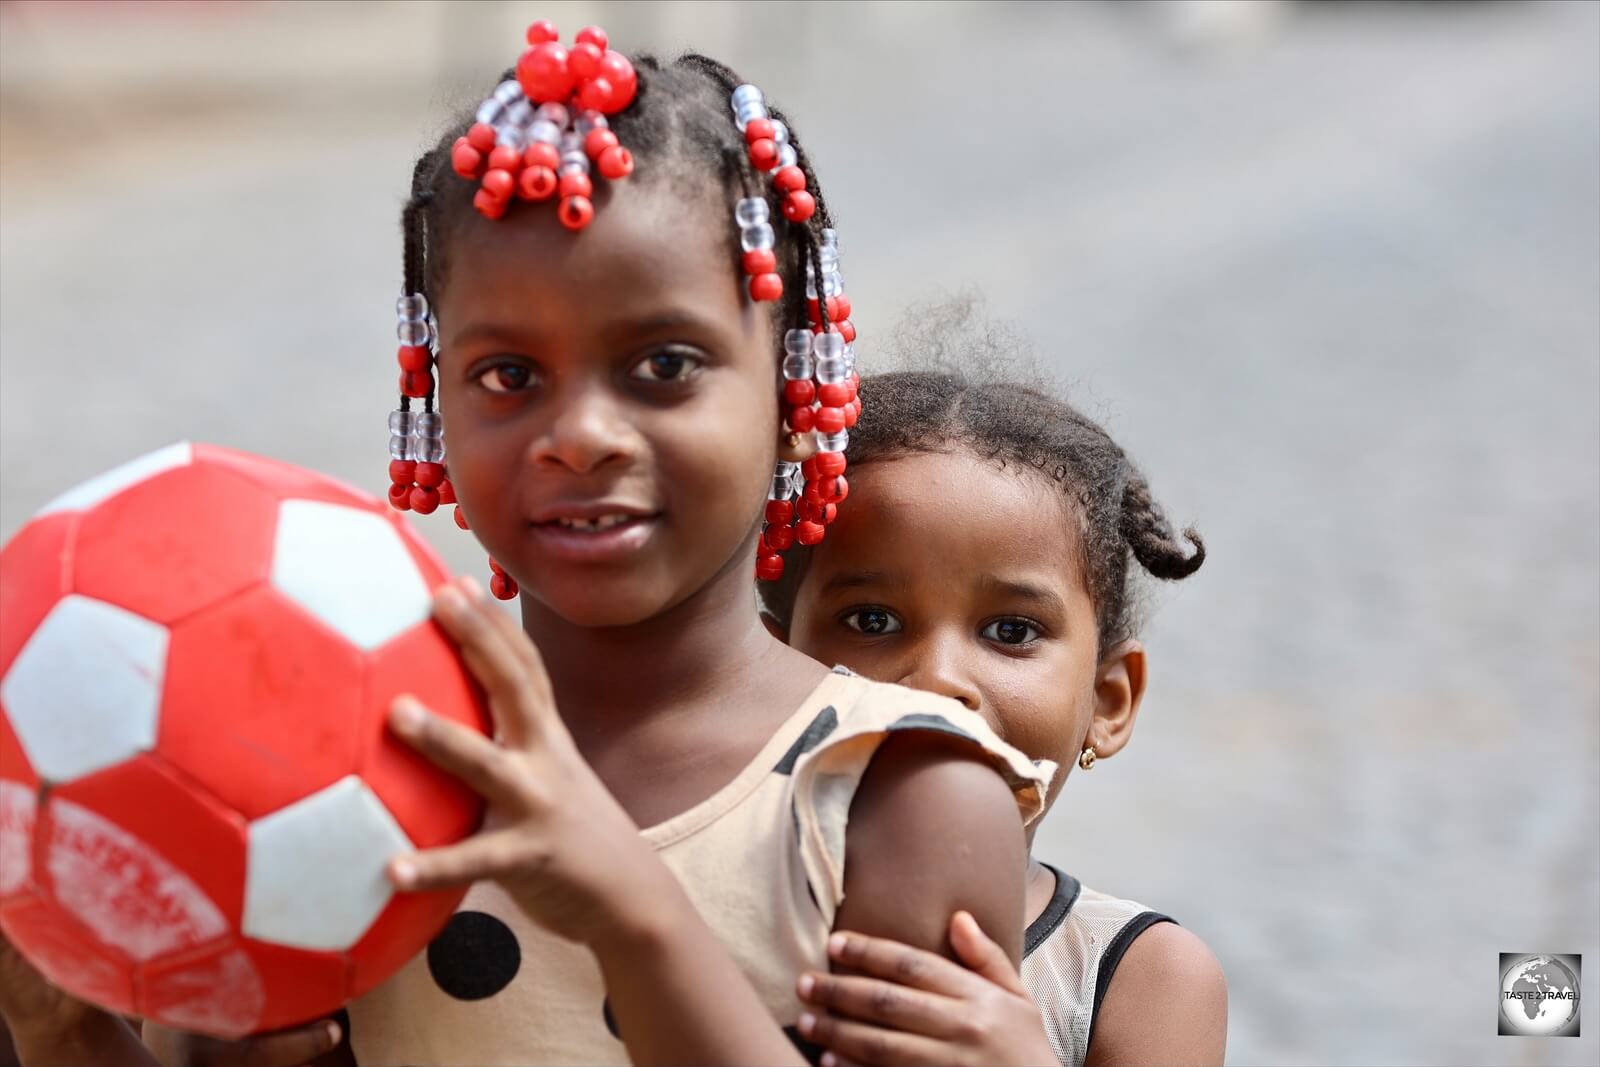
1069 955
762 859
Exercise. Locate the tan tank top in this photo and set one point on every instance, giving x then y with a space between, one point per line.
762 859
1069 954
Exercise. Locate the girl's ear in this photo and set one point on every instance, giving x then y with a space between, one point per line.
1118 688
774 627
795 447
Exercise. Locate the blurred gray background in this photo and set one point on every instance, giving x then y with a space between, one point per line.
1330 272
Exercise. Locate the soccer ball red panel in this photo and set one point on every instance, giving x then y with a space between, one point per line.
198 797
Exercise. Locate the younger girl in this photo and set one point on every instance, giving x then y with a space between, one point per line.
607 355
987 557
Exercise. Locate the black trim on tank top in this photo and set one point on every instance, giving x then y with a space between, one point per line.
1054 913
1113 956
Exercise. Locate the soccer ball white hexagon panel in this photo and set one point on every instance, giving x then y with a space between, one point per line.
105 486
350 569
315 874
72 721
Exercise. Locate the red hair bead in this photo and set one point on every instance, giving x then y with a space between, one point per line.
808 469
847 330
802 418
415 357
542 30
780 512
544 73
799 206
499 184
615 162
424 501
760 261
540 154
780 537
832 490
842 303
598 141
503 586
827 465
769 568
617 69
758 130
416 383
809 533
833 394
495 568
447 492
536 183
852 413
466 160
764 153
799 391
504 157
429 475
830 420
575 185
789 179
829 513
461 519
766 287
488 206
584 60
481 136
402 471
575 212
400 497
593 35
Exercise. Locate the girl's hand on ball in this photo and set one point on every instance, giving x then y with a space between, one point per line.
554 837
51 1028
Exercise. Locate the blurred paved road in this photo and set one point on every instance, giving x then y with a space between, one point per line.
1333 279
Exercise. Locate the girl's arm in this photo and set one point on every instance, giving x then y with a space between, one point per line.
559 843
1167 1003
50 1028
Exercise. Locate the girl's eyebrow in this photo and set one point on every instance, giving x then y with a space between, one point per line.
858 579
1041 595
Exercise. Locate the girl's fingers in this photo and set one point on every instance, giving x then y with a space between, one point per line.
976 949
285 1048
873 1000
493 658
871 1046
483 856
901 964
464 752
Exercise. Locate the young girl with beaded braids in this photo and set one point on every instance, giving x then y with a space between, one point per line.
989 555
681 807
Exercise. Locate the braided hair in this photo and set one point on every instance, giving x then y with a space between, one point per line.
1024 427
681 129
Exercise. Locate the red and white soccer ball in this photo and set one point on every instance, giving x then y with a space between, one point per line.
197 793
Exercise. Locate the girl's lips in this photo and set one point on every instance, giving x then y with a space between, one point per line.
609 545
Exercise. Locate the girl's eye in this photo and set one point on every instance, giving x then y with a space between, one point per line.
506 378
872 621
1011 632
668 366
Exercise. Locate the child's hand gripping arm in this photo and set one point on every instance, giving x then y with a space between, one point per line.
906 1007
567 852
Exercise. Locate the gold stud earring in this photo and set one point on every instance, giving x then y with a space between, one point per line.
794 440
1086 758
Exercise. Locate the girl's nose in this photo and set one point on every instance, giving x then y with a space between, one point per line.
589 432
938 669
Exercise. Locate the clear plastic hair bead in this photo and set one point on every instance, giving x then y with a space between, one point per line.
832 283
412 307
556 113
748 104
509 90
828 345
411 332
429 450
797 368
833 442
591 120
755 238
400 422
830 239
751 211
787 156
400 446
428 424
833 371
780 132
489 112
511 135
519 112
544 131
783 477
798 342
